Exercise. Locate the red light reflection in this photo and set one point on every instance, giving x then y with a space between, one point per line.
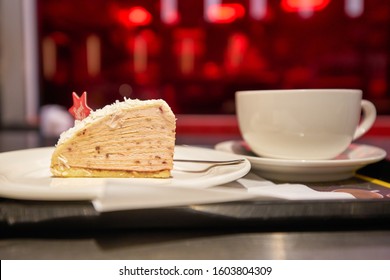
298 5
225 13
135 16
169 11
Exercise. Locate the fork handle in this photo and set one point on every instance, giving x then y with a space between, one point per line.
234 161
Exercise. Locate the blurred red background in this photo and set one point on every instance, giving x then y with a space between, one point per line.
196 54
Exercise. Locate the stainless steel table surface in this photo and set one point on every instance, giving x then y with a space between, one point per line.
288 240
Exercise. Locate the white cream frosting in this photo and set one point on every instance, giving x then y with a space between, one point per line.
110 109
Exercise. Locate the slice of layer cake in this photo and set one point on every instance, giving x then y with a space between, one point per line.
132 138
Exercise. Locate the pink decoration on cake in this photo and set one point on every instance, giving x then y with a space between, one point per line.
80 110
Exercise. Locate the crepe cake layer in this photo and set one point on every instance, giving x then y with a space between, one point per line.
132 138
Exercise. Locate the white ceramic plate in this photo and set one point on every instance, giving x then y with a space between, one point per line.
342 167
25 174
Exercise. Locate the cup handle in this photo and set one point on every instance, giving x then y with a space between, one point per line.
368 118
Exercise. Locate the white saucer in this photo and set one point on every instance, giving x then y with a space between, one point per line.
340 168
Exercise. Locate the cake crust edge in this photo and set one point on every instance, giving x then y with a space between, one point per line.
105 173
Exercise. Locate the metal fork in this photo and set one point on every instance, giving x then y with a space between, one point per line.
211 163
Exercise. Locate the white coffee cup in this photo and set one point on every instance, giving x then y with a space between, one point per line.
302 124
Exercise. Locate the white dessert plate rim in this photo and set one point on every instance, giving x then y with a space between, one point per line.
25 174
